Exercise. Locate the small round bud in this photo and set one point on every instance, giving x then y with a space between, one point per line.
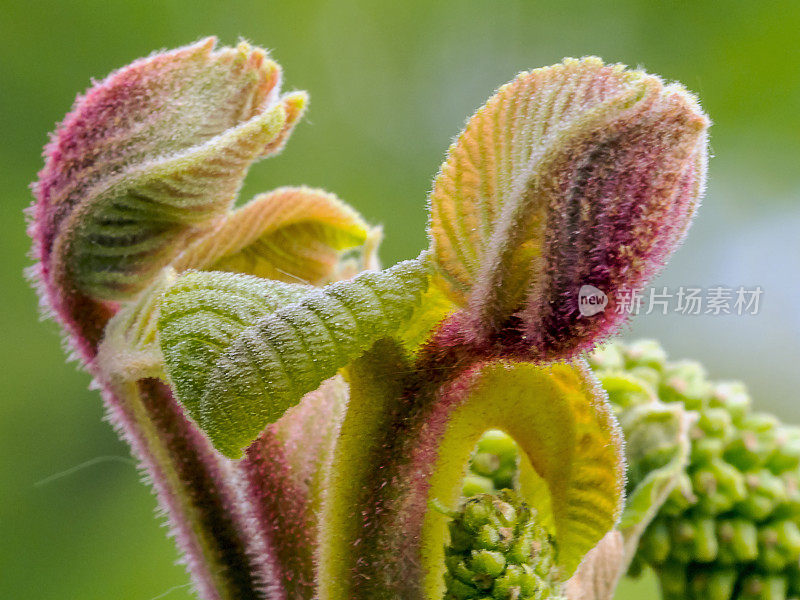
644 353
499 551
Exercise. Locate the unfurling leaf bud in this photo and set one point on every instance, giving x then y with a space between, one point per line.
240 350
499 551
151 154
149 159
580 175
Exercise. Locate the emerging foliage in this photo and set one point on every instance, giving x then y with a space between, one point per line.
290 234
241 350
571 175
398 453
152 156
219 332
560 420
713 502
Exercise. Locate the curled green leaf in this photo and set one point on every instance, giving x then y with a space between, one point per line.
241 350
130 348
202 313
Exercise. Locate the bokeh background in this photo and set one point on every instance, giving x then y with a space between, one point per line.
391 83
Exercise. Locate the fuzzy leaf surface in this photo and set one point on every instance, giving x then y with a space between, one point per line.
202 313
241 350
152 156
290 234
130 348
559 417
283 475
576 174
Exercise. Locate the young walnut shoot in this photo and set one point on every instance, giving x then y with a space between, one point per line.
306 418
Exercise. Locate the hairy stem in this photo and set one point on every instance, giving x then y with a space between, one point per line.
193 485
405 442
282 476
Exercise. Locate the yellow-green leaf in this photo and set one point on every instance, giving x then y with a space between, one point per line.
433 308
129 348
559 417
202 313
400 452
290 234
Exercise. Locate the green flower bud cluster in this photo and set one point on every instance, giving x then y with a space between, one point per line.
498 551
493 465
731 527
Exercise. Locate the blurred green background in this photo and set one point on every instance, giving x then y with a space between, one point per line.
391 84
